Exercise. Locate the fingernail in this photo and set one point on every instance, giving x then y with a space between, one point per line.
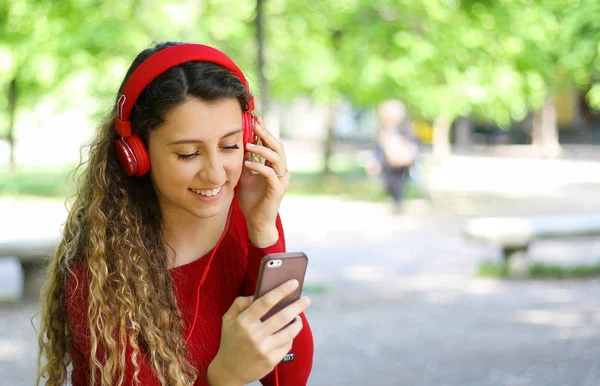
293 284
248 162
250 144
306 300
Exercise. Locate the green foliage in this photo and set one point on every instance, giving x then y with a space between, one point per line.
497 59
580 46
41 183
542 271
444 58
314 289
52 47
349 185
492 269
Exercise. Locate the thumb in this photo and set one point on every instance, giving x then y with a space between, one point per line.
237 307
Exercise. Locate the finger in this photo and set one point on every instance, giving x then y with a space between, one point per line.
286 315
268 138
282 337
284 343
262 305
277 355
282 351
275 159
274 144
267 172
237 307
246 171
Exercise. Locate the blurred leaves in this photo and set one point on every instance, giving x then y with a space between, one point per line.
445 58
497 59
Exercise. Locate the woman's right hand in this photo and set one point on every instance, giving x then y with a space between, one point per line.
250 349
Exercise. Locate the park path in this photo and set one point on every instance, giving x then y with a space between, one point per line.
399 304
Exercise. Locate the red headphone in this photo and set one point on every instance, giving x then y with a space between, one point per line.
129 147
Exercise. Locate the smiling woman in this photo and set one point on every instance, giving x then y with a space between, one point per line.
153 278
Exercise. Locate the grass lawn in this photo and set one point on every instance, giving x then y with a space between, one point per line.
348 181
37 182
541 270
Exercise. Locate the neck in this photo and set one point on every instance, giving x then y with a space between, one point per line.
189 237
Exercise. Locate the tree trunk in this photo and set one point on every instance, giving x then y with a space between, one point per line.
12 112
260 43
463 130
336 37
441 137
544 135
329 142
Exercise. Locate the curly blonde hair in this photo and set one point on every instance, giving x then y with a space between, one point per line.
114 233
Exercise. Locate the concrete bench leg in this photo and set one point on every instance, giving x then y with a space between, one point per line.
515 259
11 279
34 276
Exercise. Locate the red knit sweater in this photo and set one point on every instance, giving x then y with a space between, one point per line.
233 272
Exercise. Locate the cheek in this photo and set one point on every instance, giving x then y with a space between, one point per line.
168 172
235 164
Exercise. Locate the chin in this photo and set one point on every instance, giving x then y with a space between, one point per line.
205 213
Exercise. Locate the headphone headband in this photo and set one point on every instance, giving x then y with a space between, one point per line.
160 62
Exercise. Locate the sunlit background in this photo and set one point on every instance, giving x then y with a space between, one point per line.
503 98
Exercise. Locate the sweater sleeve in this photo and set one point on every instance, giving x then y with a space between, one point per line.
77 291
255 255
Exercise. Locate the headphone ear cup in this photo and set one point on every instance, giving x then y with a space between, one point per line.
141 154
248 128
125 156
132 155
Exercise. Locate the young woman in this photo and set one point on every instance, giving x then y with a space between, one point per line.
153 279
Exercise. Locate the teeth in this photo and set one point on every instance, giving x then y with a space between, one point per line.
207 193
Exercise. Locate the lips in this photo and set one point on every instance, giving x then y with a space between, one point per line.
207 192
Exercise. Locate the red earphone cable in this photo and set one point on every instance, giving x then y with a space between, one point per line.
205 273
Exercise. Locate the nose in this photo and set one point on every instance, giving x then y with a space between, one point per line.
213 171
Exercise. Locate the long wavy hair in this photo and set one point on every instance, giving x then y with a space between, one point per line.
114 233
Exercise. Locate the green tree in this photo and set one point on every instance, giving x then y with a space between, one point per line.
579 44
46 43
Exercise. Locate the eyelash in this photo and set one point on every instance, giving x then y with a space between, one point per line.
189 156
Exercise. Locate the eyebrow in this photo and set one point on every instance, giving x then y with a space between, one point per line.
182 141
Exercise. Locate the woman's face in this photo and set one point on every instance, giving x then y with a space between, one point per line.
197 156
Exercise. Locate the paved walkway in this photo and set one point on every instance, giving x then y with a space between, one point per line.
401 305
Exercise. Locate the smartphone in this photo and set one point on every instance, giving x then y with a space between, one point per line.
276 269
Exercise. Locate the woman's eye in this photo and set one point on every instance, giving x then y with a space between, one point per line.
192 155
186 156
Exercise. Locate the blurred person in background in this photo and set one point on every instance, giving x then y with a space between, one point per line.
396 148
130 298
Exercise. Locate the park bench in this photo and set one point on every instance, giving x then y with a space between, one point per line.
30 231
515 234
33 254
28 251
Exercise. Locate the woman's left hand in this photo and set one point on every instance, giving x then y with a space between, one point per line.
260 194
